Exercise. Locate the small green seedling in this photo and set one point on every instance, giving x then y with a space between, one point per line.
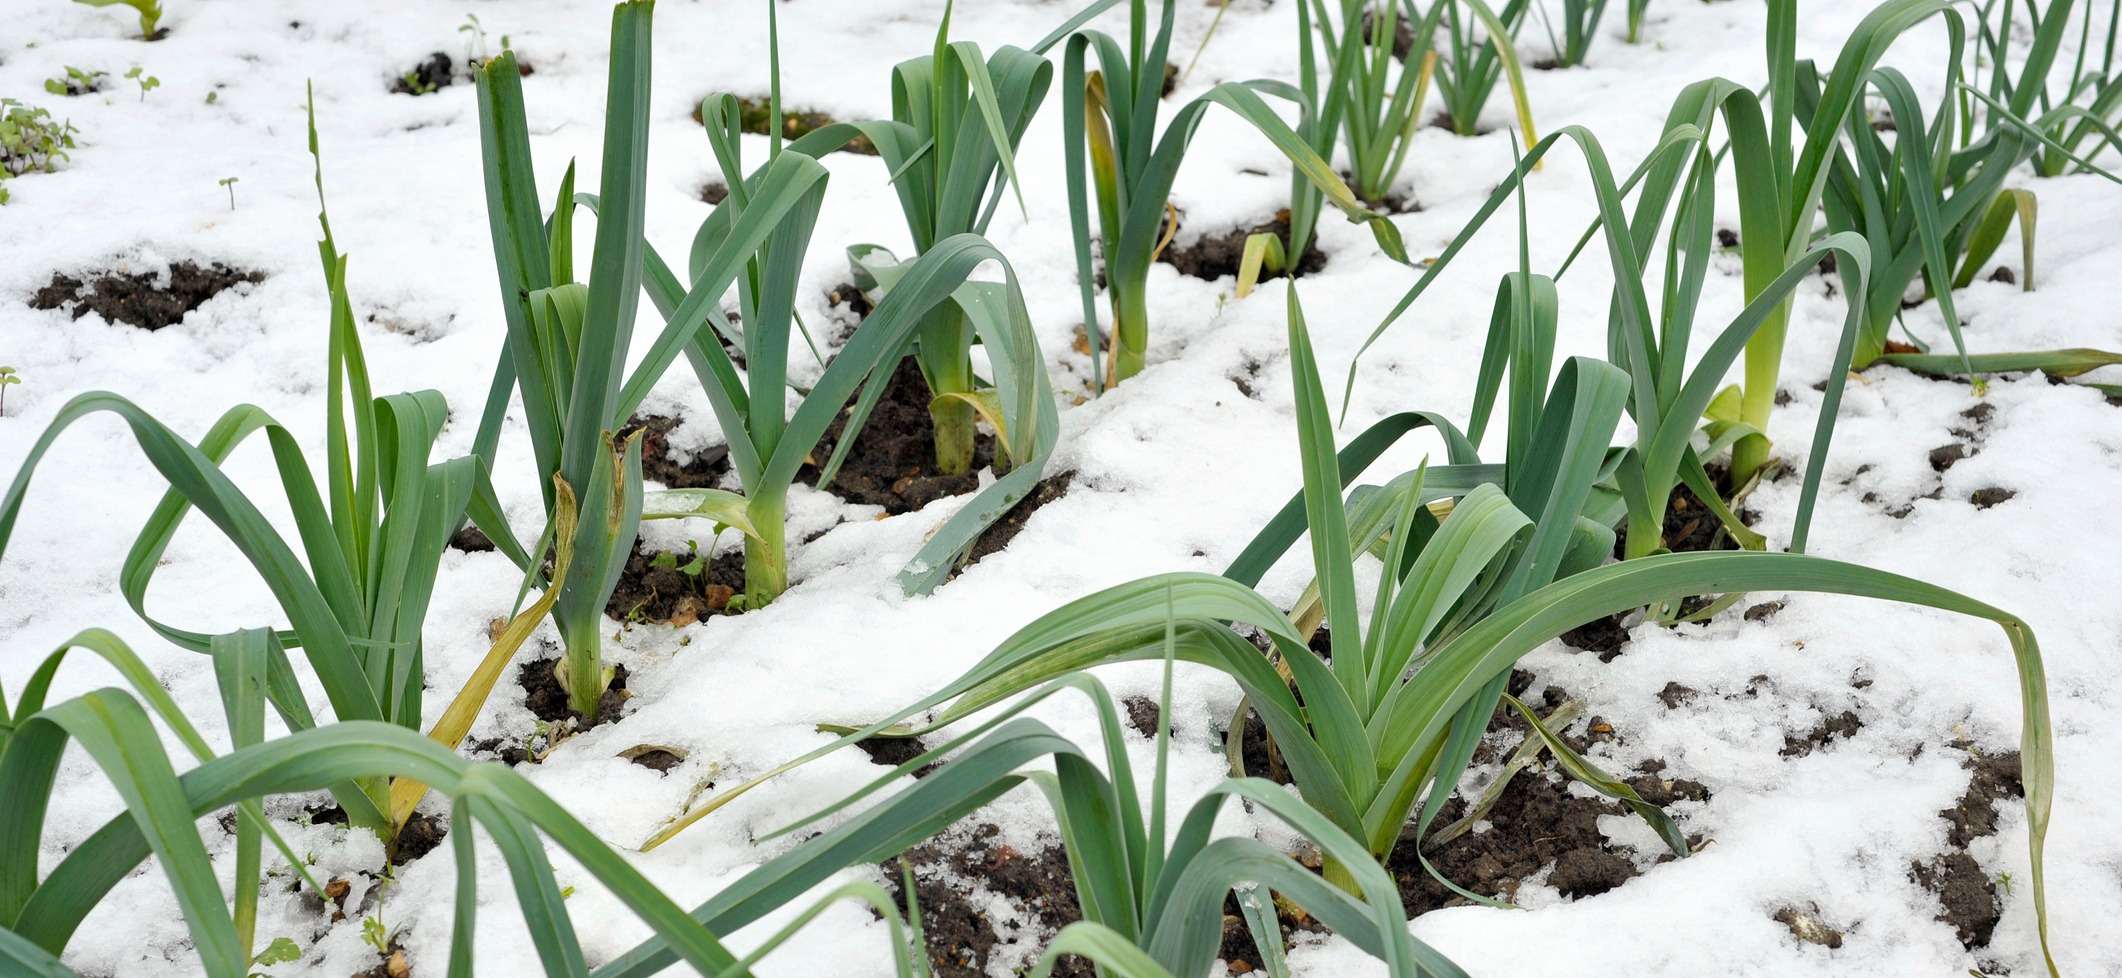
7 377
147 82
212 97
230 183
476 53
75 82
150 14
416 84
375 935
282 950
29 140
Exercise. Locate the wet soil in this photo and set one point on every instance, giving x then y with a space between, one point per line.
953 879
142 300
420 835
1690 527
1214 256
753 115
706 469
675 587
894 751
547 699
426 77
1967 896
1841 726
656 759
892 463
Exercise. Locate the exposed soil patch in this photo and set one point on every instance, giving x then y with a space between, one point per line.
471 540
426 77
1605 636
657 759
1214 256
547 699
145 300
713 192
1966 894
1838 727
753 115
1985 498
706 469
418 837
1690 527
1806 925
392 965
998 534
1141 714
675 588
954 879
894 751
892 463
1535 824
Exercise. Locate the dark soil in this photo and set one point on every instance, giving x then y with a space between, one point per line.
1536 823
1142 715
690 588
894 751
2004 275
656 759
705 470
426 77
753 114
1605 636
1967 895
419 836
1727 238
141 300
961 938
1674 695
893 460
1985 498
547 700
714 192
1690 527
1216 256
1838 727
471 540
998 534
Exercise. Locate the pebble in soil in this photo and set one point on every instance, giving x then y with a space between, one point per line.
148 300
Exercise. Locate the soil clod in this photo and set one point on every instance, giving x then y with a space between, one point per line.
1967 896
145 300
547 699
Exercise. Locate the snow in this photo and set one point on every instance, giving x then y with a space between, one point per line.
1174 470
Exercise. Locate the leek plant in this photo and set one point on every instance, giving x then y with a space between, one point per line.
1933 202
1782 169
1153 891
1649 342
1405 697
1472 63
373 533
1110 119
1580 25
40 914
767 444
2085 107
957 117
569 342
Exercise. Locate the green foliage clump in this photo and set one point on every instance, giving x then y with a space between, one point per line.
150 14
75 82
29 140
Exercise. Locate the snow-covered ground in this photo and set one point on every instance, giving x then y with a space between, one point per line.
1175 470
